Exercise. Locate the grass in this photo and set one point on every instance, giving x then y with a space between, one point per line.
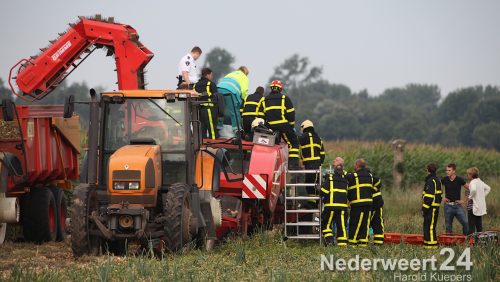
265 256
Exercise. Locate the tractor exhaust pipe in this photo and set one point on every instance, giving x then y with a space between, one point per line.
93 139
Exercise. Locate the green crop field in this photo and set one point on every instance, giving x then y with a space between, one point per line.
266 257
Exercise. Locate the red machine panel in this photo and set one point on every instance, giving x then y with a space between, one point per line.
50 150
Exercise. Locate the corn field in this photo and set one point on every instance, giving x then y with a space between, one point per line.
379 157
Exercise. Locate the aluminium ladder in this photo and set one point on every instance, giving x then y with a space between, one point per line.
293 206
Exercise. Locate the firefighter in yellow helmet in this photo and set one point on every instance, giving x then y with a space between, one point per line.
279 114
313 155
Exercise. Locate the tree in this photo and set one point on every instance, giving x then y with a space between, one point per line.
487 135
220 61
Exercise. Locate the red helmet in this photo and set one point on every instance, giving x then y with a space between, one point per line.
276 84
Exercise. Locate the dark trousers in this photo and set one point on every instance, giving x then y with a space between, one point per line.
377 224
339 217
359 224
247 124
451 211
475 222
288 134
430 221
312 178
208 119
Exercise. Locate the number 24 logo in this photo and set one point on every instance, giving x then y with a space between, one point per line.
463 259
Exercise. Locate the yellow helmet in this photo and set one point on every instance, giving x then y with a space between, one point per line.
305 124
256 122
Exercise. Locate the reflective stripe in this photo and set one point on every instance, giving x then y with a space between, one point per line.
359 225
278 121
311 145
377 194
368 225
432 227
210 121
425 206
290 110
336 205
361 201
310 159
342 220
329 222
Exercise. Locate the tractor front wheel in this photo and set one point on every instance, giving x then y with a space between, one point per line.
177 212
84 203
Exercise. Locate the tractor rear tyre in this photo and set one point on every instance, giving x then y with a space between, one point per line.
84 203
61 212
39 222
177 212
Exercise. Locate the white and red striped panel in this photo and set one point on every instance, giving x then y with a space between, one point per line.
254 186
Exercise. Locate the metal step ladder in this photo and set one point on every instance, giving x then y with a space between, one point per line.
294 205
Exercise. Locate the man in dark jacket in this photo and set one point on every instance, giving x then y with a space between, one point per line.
334 198
377 220
312 153
279 114
360 196
208 110
250 109
431 200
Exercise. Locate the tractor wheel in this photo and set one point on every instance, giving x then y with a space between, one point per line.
177 211
40 216
3 232
117 247
61 212
84 203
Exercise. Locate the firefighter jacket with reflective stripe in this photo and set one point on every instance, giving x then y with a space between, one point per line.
378 201
334 191
206 87
432 194
311 146
360 190
278 108
251 105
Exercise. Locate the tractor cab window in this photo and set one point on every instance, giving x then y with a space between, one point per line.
145 118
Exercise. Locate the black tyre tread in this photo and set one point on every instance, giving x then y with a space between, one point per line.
80 243
60 200
173 202
36 217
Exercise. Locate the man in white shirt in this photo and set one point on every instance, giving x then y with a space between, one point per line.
477 194
187 72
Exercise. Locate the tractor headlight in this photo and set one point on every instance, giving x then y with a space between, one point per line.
133 185
117 185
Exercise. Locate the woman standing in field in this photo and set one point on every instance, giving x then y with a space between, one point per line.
477 200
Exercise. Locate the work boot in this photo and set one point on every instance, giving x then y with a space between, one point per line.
329 241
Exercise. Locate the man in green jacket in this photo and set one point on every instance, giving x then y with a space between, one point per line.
234 87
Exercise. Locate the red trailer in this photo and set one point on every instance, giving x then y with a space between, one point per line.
39 152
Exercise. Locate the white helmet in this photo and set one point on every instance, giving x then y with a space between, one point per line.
256 122
305 124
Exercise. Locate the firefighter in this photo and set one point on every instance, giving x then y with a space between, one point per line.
377 220
208 110
313 155
250 109
334 198
280 116
187 72
234 87
431 200
360 196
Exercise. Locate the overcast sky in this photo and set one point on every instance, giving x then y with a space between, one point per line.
369 45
